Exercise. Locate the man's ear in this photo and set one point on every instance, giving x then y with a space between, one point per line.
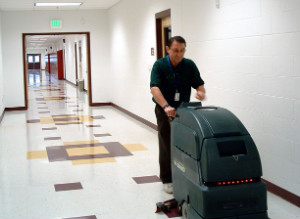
167 49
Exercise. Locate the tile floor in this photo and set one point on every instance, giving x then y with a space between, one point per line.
64 159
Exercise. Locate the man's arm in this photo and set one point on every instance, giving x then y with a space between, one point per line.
159 98
200 94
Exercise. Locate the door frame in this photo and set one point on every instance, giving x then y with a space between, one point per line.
158 21
89 78
76 63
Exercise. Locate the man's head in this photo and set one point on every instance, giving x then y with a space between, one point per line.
176 49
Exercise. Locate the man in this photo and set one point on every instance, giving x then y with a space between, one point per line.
171 80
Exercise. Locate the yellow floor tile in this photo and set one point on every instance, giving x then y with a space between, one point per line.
80 118
54 98
135 147
86 151
46 120
36 154
93 161
85 118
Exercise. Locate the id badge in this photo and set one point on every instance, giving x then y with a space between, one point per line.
177 96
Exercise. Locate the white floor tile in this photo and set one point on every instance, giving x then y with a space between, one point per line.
27 185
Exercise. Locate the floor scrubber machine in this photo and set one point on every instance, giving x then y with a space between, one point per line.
216 167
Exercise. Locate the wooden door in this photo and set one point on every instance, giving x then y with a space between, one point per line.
60 65
34 61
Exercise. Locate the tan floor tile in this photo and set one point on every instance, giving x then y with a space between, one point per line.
135 147
36 154
85 118
46 120
86 151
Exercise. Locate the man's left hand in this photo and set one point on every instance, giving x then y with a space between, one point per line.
200 95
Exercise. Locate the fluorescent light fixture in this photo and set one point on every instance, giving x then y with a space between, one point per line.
57 4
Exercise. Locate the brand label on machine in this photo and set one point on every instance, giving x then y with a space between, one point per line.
179 165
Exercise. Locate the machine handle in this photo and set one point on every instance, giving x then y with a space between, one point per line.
171 118
208 108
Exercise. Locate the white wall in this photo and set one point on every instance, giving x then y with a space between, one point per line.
16 23
70 58
84 61
248 53
132 35
2 106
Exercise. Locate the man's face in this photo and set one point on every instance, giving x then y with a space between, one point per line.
176 52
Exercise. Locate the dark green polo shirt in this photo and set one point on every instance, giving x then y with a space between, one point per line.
184 76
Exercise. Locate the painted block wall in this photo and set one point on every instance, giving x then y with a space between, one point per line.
18 22
248 53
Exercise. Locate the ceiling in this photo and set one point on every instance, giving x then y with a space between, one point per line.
43 41
25 5
34 42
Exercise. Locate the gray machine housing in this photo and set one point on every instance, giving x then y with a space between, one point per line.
216 166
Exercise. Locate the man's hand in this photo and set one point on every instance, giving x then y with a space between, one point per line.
170 111
200 95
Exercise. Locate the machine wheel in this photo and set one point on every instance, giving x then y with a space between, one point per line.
184 210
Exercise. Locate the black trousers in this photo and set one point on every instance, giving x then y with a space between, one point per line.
164 141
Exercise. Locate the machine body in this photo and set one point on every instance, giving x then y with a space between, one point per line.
216 166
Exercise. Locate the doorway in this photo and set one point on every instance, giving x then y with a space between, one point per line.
34 61
34 68
45 57
163 32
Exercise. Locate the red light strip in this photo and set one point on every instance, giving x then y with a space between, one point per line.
233 182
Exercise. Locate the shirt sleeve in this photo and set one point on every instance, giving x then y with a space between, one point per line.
155 79
196 78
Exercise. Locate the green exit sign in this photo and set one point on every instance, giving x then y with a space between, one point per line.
56 24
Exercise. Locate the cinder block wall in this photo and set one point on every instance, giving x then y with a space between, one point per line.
248 53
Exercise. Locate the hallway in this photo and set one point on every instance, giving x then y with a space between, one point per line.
64 159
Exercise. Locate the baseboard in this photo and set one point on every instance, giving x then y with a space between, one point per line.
70 82
76 85
138 118
15 108
102 104
282 193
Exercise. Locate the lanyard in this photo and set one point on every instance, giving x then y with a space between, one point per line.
177 77
169 62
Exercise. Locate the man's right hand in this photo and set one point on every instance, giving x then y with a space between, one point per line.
170 111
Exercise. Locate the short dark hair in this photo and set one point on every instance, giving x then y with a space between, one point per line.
178 39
